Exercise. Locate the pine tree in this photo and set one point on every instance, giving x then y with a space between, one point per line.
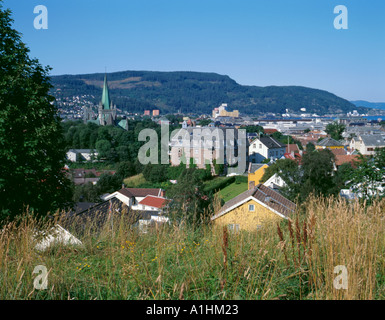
32 147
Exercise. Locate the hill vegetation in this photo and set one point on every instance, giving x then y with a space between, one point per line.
197 92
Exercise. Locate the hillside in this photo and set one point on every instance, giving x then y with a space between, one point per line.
367 104
197 92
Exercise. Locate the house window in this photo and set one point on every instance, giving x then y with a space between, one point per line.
370 149
251 207
233 227
260 146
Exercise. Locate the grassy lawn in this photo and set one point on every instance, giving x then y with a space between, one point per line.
232 190
134 181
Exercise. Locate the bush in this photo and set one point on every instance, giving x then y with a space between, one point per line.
218 184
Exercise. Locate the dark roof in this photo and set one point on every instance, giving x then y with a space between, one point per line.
140 192
267 196
271 143
255 166
329 142
95 217
375 140
81 206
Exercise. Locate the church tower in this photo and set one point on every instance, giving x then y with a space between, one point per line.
107 111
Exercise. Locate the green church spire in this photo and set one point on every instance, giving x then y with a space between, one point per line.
106 95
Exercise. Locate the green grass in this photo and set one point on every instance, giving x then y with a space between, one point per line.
293 261
134 181
233 190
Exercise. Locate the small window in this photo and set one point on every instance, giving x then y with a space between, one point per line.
260 146
251 207
233 227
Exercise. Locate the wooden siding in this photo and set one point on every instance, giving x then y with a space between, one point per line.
247 220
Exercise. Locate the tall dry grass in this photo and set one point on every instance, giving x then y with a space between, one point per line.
292 260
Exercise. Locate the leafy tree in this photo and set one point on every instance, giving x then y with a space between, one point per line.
190 202
290 173
343 176
368 179
174 172
32 147
218 167
254 129
281 166
318 172
155 172
86 193
109 183
104 148
310 147
126 169
335 130
205 122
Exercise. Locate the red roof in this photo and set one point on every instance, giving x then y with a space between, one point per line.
292 148
339 152
270 131
341 159
156 202
289 156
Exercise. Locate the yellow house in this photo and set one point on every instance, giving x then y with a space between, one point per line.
249 210
328 143
256 171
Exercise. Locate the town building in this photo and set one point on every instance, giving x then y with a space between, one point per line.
222 112
329 143
203 145
275 182
367 144
107 111
75 155
253 208
255 173
266 148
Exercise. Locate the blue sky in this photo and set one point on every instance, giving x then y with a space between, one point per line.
255 42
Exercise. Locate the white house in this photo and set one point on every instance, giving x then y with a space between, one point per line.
366 144
275 182
81 155
266 148
55 236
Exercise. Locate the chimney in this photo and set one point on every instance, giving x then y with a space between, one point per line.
162 193
251 185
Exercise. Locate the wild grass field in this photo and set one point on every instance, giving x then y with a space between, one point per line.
293 260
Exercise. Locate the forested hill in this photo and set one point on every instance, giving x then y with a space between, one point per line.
198 92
